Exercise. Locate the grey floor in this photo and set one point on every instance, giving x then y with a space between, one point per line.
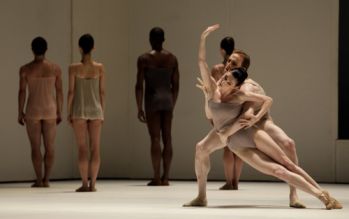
132 199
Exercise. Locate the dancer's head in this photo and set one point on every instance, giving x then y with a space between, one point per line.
233 78
238 59
156 38
227 46
39 46
86 43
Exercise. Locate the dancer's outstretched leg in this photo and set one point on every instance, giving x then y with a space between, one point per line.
267 165
204 148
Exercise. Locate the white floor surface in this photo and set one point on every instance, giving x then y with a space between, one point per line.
132 199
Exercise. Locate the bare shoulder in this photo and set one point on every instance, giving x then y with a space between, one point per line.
73 68
99 66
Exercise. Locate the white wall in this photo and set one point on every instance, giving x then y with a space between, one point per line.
293 47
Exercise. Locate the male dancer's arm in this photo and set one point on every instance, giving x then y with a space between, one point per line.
139 89
241 122
59 94
175 83
22 93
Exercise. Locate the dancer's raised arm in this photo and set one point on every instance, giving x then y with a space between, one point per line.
204 70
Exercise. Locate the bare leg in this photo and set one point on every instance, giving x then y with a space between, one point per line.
228 162
80 130
166 123
288 146
153 123
237 171
266 165
204 148
34 134
49 135
94 129
266 144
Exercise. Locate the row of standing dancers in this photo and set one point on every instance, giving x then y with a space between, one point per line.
236 106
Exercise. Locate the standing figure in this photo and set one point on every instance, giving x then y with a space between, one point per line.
86 101
43 79
232 163
158 68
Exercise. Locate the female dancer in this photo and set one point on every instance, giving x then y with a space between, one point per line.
232 163
225 103
86 100
44 106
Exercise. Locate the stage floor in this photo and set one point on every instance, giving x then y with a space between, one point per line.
132 199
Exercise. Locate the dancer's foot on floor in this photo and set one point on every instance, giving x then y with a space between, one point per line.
325 198
165 182
93 189
227 186
37 184
154 182
297 204
83 189
197 202
46 184
335 204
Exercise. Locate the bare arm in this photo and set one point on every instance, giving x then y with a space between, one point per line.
245 97
59 93
102 87
139 89
70 92
204 70
21 95
201 86
175 83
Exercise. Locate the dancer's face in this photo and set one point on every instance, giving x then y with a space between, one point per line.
234 61
227 80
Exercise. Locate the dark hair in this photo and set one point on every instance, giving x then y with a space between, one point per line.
86 43
240 74
245 58
228 44
39 46
157 34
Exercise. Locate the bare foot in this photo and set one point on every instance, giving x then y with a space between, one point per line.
37 184
165 182
154 182
227 186
46 184
197 202
93 189
297 204
83 189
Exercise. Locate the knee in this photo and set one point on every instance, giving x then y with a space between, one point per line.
200 149
280 172
289 145
155 139
49 151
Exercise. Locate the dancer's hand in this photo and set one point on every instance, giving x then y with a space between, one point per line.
201 86
141 116
209 30
248 121
21 118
